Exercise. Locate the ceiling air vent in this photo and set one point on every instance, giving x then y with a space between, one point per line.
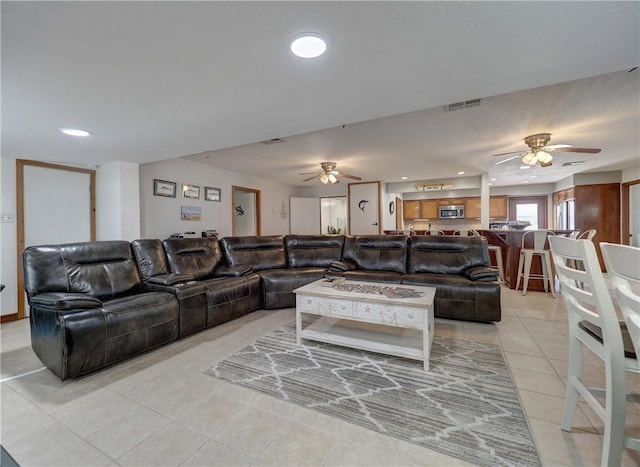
463 105
273 141
570 164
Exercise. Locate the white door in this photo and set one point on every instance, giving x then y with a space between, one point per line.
364 208
57 208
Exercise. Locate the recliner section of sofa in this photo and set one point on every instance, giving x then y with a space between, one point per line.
373 258
466 287
88 308
193 269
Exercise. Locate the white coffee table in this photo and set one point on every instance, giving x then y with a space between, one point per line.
395 326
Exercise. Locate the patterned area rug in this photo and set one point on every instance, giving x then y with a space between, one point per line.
465 407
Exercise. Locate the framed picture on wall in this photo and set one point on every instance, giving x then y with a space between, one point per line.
190 191
164 188
212 194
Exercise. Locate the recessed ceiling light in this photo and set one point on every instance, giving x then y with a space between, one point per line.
525 181
308 45
525 167
404 178
460 173
493 179
75 132
490 184
532 176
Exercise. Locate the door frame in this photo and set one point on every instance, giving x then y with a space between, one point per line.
258 218
541 201
20 215
625 213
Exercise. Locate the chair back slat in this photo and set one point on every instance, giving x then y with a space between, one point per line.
592 302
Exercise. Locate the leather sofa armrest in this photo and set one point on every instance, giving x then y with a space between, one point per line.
341 266
169 279
233 271
481 274
65 301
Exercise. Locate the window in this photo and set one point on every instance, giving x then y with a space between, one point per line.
532 209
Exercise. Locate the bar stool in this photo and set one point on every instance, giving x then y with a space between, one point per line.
526 257
433 232
499 264
466 233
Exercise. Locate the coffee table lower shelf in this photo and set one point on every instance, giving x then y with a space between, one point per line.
389 340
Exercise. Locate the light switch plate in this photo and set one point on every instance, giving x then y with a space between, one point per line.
6 218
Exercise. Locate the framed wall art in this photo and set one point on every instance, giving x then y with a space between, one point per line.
164 188
190 191
190 213
212 194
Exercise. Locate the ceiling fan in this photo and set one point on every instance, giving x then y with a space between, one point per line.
540 153
329 174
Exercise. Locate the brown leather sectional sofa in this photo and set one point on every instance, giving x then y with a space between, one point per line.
94 304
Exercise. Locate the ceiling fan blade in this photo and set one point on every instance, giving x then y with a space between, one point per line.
585 150
507 159
308 173
310 178
545 164
342 174
509 153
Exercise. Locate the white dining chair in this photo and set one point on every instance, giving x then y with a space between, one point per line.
623 269
433 232
594 325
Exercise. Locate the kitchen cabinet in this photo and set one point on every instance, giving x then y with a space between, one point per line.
429 208
498 207
411 209
472 209
420 209
451 202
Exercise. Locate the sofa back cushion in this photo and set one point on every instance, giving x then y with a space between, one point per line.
197 257
442 254
381 252
104 269
313 251
151 258
261 251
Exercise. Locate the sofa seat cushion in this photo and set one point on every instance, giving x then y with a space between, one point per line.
278 285
231 297
373 276
449 286
139 322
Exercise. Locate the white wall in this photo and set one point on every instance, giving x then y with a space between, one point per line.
118 201
160 216
631 174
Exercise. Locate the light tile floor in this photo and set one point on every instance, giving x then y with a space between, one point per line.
160 409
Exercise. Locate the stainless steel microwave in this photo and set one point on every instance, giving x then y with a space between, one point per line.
451 212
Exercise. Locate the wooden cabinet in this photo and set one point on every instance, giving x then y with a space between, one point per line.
429 209
563 195
451 202
420 209
411 209
498 207
472 209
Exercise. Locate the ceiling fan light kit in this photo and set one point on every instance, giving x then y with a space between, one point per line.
540 152
329 174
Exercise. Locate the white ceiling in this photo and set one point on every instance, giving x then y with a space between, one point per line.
159 80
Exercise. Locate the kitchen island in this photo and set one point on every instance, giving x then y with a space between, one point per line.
510 242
